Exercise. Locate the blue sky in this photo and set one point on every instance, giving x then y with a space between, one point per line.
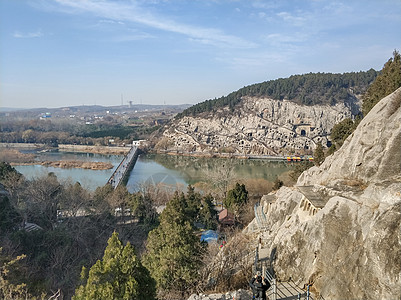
56 53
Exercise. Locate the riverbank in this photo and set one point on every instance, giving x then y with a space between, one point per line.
114 150
68 164
15 158
290 158
123 150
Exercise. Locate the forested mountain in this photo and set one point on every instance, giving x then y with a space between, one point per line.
307 89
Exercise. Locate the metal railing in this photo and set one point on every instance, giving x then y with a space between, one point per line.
260 216
125 165
278 290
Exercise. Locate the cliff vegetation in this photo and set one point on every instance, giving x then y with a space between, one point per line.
306 89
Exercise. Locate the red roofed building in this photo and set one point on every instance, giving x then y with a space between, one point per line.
226 218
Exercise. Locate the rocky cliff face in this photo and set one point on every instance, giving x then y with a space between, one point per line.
259 126
339 228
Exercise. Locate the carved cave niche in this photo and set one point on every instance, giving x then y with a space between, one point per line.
305 206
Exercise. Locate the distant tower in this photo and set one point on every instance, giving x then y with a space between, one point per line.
122 100
130 104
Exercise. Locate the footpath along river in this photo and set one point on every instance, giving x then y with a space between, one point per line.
156 168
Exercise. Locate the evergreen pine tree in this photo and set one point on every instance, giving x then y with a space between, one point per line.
173 250
387 82
318 155
207 213
119 275
236 197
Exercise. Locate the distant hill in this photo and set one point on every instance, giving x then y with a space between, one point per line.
307 89
96 108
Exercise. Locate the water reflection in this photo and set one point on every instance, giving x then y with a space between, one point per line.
168 170
181 170
195 169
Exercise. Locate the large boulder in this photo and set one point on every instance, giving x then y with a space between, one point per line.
339 229
371 154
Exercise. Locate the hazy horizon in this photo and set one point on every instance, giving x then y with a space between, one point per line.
58 53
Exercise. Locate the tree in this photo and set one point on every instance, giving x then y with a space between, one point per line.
222 177
42 197
207 214
142 208
341 131
236 197
74 198
174 252
9 217
193 201
307 89
387 82
277 184
11 285
119 275
318 155
7 170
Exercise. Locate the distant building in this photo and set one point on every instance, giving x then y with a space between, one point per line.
226 218
45 116
138 143
28 227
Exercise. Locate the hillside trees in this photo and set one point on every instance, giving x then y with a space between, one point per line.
306 89
54 132
342 130
236 197
57 250
118 275
387 82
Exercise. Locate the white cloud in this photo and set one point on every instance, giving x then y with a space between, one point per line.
28 35
294 20
106 21
122 12
280 38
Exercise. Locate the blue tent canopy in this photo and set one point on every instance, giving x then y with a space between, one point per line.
209 236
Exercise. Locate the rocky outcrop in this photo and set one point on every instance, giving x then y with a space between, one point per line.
339 228
371 154
258 126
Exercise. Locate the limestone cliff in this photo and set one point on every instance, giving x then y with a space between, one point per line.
339 228
258 126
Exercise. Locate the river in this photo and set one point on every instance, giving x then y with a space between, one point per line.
174 171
